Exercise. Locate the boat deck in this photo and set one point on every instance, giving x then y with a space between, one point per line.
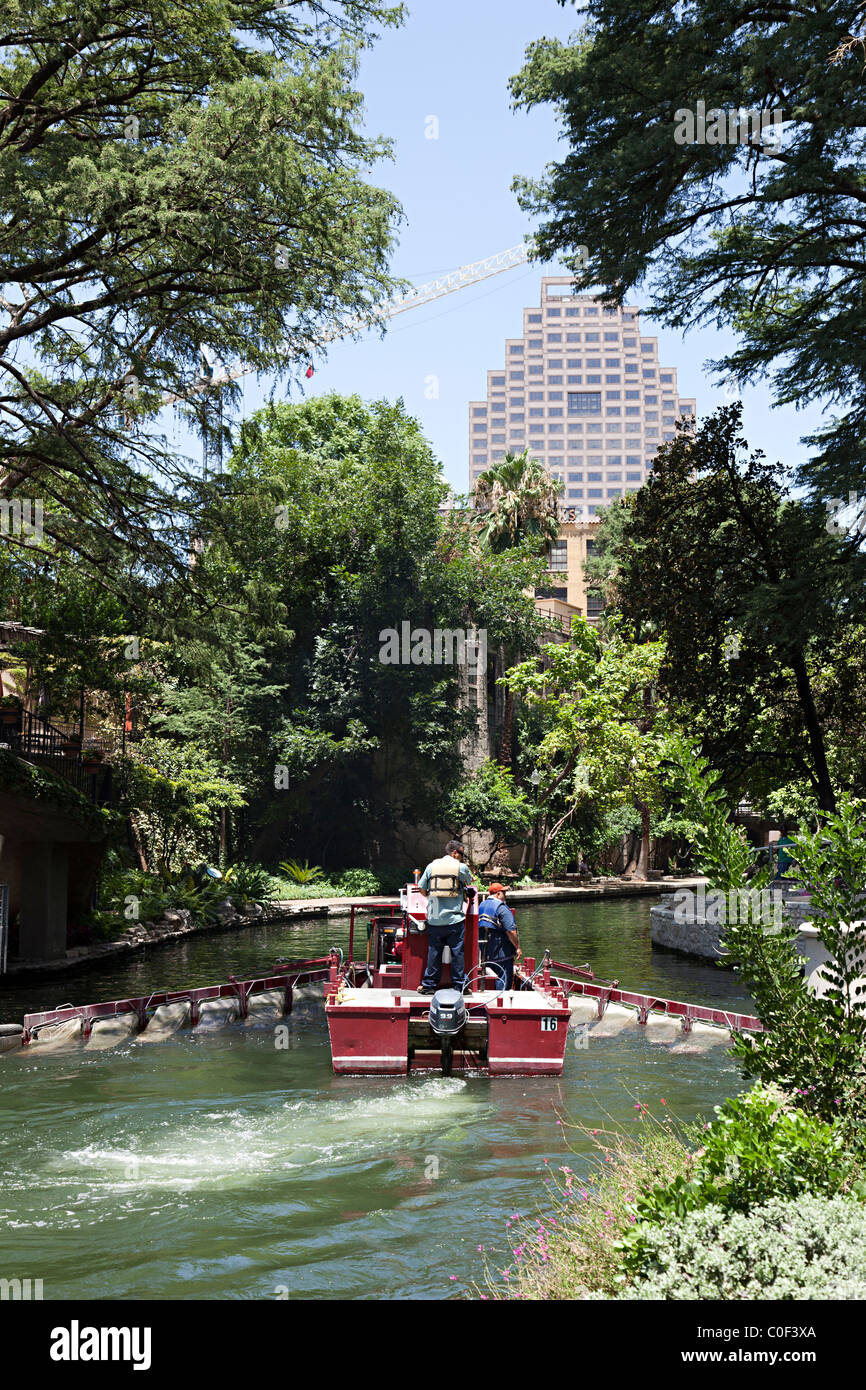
511 999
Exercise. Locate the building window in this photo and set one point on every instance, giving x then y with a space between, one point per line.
516 349
575 477
665 376
479 429
558 556
554 337
594 477
584 402
594 605
632 477
575 492
533 318
594 492
592 338
515 376
574 380
497 381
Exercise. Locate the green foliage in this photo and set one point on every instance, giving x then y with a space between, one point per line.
215 198
176 794
761 611
815 1042
248 883
600 730
127 896
807 1248
19 778
489 800
517 502
358 883
302 873
758 1147
721 848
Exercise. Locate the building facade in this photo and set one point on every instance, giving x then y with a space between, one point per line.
583 390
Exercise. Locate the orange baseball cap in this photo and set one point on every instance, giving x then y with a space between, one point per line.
497 888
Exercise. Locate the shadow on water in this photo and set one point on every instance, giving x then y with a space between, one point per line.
222 1165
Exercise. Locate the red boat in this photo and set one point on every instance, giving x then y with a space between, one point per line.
380 1024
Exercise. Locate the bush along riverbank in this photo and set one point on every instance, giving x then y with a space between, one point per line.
767 1200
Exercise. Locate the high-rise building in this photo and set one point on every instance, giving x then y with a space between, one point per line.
582 390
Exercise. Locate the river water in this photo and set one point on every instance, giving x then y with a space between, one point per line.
221 1165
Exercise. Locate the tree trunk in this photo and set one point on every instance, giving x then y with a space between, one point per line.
643 857
824 787
137 845
505 749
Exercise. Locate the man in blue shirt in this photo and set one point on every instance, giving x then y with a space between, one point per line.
496 920
445 881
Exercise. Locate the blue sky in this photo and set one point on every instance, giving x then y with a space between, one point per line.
452 61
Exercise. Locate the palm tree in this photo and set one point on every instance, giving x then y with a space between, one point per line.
516 500
516 503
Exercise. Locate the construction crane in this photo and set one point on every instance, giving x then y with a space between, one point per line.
458 279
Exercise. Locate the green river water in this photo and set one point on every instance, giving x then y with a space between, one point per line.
217 1165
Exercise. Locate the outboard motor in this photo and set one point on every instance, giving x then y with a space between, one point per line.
447 1017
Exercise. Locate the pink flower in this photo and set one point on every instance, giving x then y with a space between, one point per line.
453 1278
663 1101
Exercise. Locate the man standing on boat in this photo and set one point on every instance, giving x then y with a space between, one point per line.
445 881
496 920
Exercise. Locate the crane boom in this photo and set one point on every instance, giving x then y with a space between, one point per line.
424 294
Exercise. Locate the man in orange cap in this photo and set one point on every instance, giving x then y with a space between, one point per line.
496 919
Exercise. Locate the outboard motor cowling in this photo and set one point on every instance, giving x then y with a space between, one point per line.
447 1017
447 1012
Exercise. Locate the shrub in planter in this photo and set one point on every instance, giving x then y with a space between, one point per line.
811 1248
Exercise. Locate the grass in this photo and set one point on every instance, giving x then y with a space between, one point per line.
571 1252
287 891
